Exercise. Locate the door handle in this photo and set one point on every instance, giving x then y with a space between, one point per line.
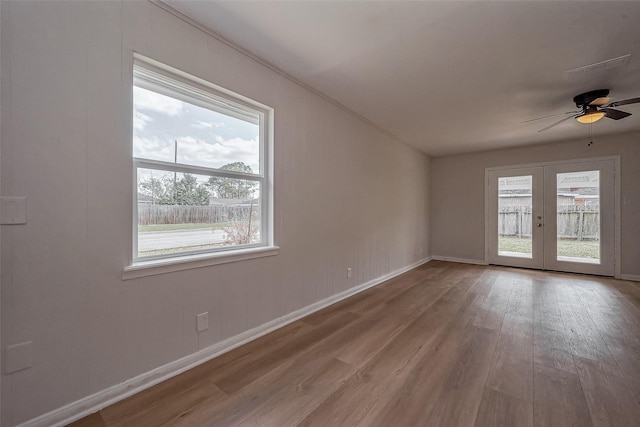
538 225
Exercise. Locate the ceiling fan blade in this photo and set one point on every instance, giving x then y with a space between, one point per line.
550 115
624 102
614 114
556 123
600 101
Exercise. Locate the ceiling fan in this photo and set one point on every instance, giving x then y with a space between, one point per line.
593 105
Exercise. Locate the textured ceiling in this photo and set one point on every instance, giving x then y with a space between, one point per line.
445 77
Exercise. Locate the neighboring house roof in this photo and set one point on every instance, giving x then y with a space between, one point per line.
526 192
588 191
144 198
232 202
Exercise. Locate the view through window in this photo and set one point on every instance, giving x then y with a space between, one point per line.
199 159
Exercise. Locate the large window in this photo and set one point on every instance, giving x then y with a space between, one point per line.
201 166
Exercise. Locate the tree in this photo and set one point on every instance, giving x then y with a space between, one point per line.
232 188
159 190
189 192
168 191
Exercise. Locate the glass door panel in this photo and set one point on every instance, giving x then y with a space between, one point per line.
514 216
514 201
578 216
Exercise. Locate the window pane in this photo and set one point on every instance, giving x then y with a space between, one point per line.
180 212
578 216
171 130
514 216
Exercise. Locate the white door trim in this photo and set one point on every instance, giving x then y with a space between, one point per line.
616 196
606 264
554 163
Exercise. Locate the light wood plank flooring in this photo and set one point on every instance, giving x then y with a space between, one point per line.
445 344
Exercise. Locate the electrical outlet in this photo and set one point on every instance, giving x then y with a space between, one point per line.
13 210
18 357
202 322
349 273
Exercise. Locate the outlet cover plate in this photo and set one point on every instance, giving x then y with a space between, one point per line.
13 210
202 322
18 357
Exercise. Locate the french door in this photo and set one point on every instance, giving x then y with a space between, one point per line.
554 217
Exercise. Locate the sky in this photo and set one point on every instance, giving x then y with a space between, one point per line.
205 137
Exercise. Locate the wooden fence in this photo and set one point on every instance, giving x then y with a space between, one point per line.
574 222
150 214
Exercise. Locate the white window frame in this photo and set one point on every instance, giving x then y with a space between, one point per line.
157 77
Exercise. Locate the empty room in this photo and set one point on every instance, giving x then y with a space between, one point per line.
322 213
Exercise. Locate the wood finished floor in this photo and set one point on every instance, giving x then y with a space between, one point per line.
445 344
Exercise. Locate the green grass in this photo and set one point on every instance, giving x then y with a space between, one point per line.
514 244
568 248
175 227
178 250
190 226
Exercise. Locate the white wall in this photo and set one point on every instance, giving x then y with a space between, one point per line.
346 195
457 193
1 132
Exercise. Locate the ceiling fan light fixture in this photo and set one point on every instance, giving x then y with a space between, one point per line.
590 116
593 105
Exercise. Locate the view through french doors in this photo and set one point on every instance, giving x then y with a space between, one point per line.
555 217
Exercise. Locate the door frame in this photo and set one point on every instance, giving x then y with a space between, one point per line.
616 199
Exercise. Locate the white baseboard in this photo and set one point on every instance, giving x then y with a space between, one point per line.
93 403
462 260
632 277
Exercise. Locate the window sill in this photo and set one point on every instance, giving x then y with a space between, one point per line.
170 265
